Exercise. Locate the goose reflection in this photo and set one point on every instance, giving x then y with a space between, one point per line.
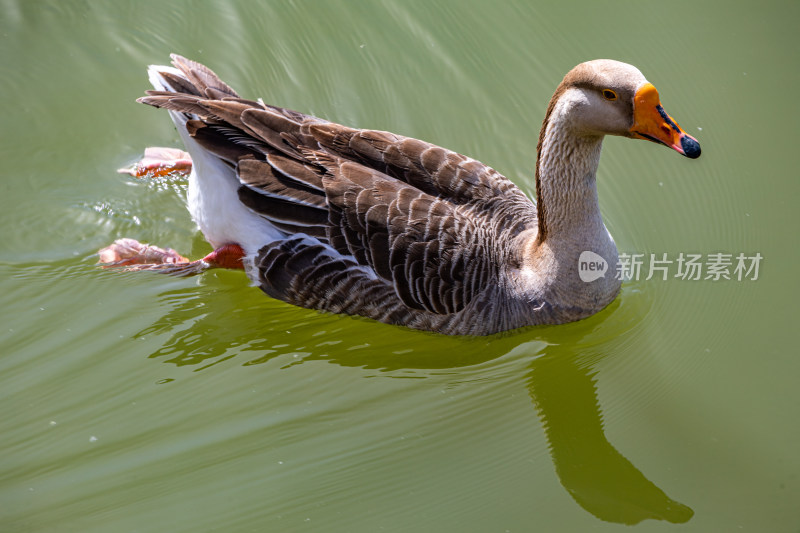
560 379
597 476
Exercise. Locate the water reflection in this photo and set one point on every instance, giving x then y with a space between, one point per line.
560 379
596 475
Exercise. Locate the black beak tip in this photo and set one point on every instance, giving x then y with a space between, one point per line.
690 147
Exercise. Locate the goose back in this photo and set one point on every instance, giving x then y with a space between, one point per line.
374 224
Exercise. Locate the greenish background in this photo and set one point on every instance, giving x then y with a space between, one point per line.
142 402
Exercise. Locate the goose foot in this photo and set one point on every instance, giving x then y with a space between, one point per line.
228 256
158 161
131 255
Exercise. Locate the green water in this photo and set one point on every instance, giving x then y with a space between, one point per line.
141 402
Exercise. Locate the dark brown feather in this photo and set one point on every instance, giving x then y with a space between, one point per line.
201 76
394 220
281 210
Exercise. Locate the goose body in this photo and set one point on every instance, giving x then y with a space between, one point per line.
392 228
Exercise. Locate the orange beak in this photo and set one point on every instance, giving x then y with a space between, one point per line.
651 122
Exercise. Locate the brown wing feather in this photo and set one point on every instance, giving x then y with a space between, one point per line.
430 168
415 224
202 77
408 237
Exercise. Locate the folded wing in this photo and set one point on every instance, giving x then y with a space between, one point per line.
376 224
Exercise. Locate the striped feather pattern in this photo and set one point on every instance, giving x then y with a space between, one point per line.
375 224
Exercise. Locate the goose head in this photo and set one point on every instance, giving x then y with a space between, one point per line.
606 97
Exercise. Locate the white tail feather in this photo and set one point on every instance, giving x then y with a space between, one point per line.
212 197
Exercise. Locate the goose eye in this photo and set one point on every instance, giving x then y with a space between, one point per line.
610 95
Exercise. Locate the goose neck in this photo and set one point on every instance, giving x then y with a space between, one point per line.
566 171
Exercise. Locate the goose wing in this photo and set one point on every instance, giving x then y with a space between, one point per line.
387 216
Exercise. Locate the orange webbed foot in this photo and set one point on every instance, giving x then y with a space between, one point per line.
126 252
159 161
132 255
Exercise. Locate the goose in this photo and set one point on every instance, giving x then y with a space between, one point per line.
370 223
